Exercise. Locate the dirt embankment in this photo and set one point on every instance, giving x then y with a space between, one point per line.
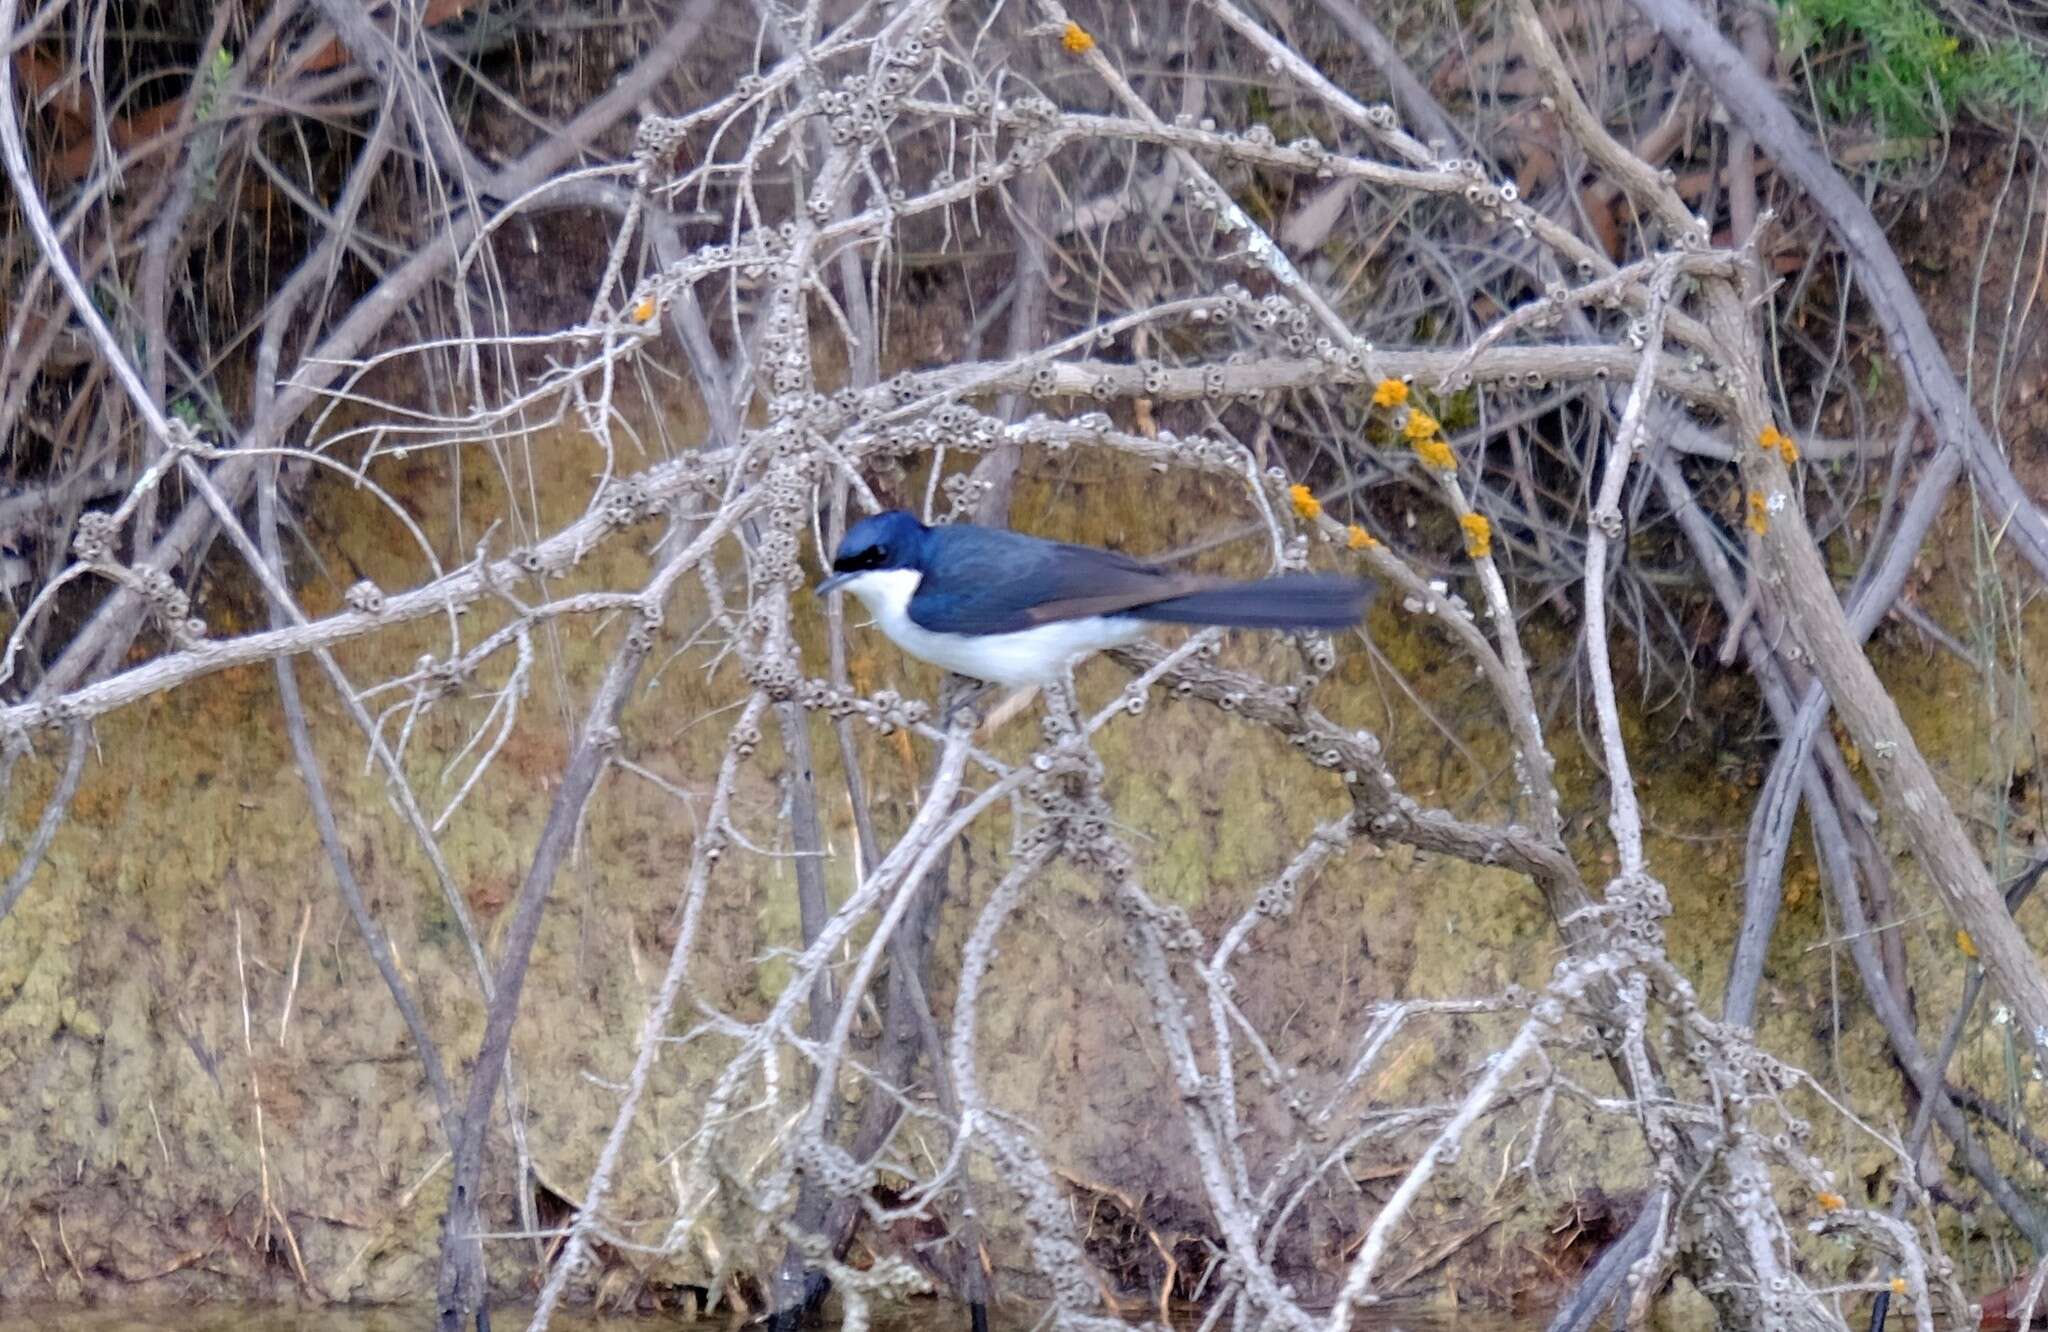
205 1090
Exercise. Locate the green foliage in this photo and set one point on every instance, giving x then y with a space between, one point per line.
1896 63
213 79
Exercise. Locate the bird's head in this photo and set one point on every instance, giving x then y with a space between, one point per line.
881 544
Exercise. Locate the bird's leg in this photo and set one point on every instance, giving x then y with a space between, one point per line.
1006 711
961 693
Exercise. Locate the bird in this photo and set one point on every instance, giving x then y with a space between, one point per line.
1020 611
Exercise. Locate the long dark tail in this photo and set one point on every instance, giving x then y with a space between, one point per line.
1291 601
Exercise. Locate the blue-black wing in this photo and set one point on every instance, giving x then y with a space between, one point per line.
984 580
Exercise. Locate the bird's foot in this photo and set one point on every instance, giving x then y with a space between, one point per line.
961 699
964 698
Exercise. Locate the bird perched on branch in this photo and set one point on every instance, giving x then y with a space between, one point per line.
1019 610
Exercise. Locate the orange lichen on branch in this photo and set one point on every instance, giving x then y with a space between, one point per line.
1357 538
1077 40
1830 1202
1305 504
1774 440
1478 535
1436 455
1420 425
1389 393
1759 513
1966 945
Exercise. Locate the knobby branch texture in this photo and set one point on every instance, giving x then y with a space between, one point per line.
1341 346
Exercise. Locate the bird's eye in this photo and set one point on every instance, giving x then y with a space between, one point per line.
870 557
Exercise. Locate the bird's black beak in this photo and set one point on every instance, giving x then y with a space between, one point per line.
833 584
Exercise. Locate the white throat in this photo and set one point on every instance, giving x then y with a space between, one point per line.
886 593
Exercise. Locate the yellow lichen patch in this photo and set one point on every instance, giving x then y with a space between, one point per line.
1357 538
1830 1202
643 312
1420 425
1850 753
1437 455
1965 944
1759 514
1389 393
1478 535
1774 440
1305 504
1898 1285
1077 40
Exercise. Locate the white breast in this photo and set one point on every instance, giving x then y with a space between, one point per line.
1033 656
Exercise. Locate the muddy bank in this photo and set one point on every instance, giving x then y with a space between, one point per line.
210 1095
